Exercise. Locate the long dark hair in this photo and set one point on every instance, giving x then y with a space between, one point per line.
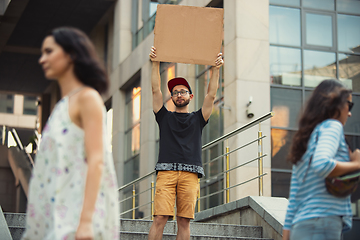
87 66
326 101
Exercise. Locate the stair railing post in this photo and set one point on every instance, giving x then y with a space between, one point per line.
133 202
227 172
152 197
198 201
260 161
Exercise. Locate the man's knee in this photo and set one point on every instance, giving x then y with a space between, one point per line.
160 220
183 222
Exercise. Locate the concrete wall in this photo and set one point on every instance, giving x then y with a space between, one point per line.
246 52
267 212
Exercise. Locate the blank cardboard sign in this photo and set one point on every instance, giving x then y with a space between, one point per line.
186 34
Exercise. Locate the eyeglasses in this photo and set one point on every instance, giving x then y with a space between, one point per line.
351 104
182 92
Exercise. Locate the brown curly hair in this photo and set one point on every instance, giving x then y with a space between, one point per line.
326 101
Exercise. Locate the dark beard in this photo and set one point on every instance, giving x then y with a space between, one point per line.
183 104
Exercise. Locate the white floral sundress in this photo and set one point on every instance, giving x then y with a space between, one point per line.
57 184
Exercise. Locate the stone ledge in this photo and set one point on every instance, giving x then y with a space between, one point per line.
271 210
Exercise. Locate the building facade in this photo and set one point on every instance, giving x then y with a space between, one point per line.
275 52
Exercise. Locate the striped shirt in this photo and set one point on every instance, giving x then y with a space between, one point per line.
309 197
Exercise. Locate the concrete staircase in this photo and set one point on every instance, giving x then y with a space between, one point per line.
16 224
138 230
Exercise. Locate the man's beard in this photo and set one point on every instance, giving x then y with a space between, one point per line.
183 104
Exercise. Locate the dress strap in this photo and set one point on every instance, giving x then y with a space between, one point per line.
76 90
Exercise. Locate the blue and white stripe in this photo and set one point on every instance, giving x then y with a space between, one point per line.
308 197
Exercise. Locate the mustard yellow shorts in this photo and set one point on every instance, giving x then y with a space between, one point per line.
182 185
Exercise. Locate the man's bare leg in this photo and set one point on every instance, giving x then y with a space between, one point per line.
183 232
157 227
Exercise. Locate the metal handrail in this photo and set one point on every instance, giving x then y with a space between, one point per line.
204 147
238 130
226 171
238 148
222 190
136 180
210 144
18 142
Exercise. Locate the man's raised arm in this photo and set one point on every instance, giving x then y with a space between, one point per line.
212 88
155 82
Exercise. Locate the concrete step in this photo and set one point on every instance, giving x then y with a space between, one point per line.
139 229
168 236
16 223
15 219
206 229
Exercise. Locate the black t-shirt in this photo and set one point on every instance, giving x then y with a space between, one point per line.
180 141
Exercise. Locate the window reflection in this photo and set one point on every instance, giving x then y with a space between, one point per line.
30 105
349 71
284 26
132 132
280 184
353 124
131 169
286 105
280 146
136 104
285 66
318 66
286 2
348 33
348 6
319 4
319 30
167 73
6 103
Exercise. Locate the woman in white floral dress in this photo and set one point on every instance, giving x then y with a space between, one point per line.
73 189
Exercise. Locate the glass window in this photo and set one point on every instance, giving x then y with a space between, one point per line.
216 199
132 144
286 105
319 30
30 105
201 88
131 169
167 73
348 33
307 95
318 66
280 184
6 103
349 71
295 3
152 8
348 6
280 146
353 123
319 4
284 26
285 66
132 132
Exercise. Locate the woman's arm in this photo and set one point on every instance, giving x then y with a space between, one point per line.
342 168
291 208
91 107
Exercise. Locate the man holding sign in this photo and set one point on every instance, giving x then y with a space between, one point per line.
179 163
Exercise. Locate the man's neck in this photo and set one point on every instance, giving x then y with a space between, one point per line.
182 109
